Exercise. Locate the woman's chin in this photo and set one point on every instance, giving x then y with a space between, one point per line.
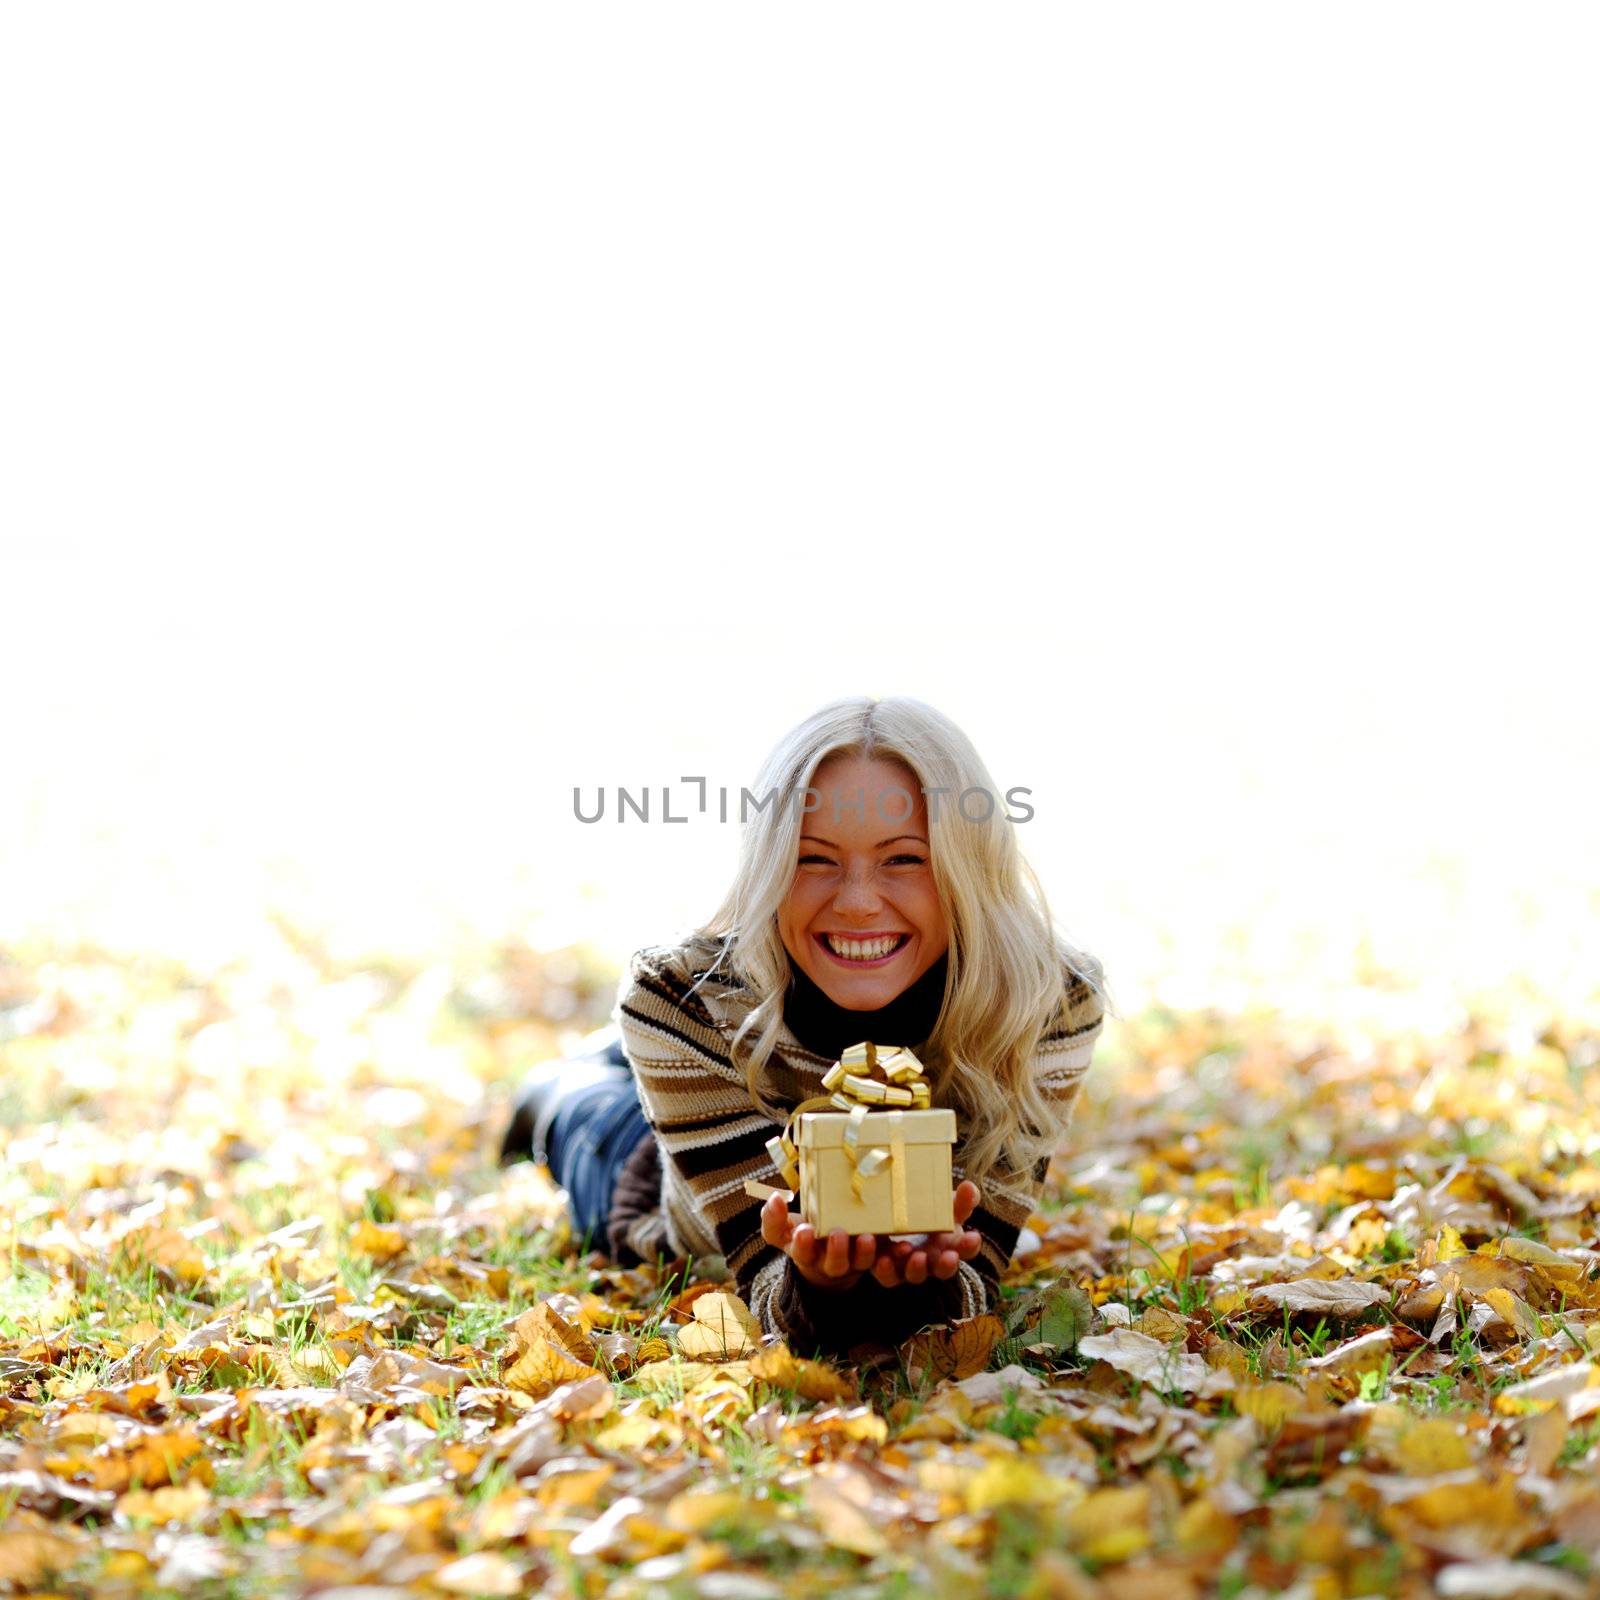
867 991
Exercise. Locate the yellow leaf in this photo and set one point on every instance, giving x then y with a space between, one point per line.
1271 1404
380 1244
1513 1313
727 1311
1488 1506
705 1341
578 1487
26 1557
842 1522
695 1510
1111 1524
1539 1255
636 1430
1204 1526
1450 1245
175 1503
543 1367
544 1324
1016 1481
1431 1446
811 1380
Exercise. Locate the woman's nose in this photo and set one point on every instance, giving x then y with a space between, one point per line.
857 893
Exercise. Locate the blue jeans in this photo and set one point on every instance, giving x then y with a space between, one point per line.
595 1129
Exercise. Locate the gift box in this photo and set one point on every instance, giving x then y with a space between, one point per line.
908 1191
872 1156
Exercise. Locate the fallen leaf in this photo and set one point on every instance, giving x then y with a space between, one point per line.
1327 1297
1163 1367
811 1380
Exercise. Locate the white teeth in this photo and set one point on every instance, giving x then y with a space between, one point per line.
862 950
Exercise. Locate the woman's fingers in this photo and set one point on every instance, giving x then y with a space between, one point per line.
965 1201
836 1262
776 1227
866 1250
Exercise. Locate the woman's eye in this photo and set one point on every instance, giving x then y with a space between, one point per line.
823 859
916 861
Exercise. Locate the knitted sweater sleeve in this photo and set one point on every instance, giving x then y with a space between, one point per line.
711 1138
1066 1047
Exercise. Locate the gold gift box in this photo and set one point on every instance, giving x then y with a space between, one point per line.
909 1191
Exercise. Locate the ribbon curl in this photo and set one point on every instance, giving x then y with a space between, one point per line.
854 1088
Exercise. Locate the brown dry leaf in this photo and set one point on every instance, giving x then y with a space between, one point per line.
543 1367
1543 1439
1489 1506
1327 1297
377 1243
1430 1446
681 1306
1365 1353
1310 1444
175 1503
947 1416
1536 1254
705 1341
583 1400
27 1557
136 1399
1111 1524
1163 1367
704 1506
842 1522
1204 1525
957 1350
163 1248
1514 1313
1478 1274
152 1460
861 1424
395 1370
811 1380
1159 1323
543 1324
1271 1404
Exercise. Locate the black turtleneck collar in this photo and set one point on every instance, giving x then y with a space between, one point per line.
827 1028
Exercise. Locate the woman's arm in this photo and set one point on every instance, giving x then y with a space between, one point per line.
711 1139
1065 1050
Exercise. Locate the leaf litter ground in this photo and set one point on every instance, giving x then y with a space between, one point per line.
1311 1308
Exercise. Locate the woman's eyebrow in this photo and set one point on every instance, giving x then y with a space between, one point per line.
811 838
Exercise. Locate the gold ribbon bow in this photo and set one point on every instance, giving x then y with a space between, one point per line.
864 1079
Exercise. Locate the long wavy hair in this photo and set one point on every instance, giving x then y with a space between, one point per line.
1007 965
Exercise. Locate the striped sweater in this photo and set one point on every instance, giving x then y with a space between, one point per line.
711 1138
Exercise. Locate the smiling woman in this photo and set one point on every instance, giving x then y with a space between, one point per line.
866 913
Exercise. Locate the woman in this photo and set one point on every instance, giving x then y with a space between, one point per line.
859 910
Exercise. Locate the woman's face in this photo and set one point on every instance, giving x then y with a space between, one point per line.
862 918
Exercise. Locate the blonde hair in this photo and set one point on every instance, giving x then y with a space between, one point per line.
1007 967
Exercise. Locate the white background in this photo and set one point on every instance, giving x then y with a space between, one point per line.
407 413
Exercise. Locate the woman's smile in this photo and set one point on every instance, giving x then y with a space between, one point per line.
863 950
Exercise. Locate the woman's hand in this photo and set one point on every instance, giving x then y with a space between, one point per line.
836 1261
941 1256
